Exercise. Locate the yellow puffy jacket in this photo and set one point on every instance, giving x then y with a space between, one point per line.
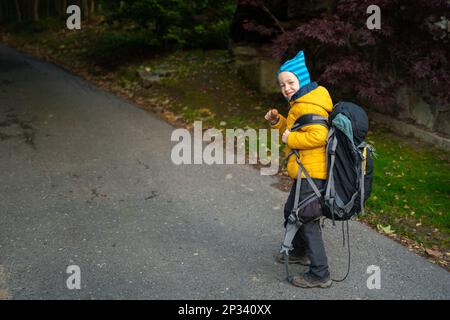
310 140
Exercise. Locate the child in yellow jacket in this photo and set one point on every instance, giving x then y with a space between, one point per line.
304 97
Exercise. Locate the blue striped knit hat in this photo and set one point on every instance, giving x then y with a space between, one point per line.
298 67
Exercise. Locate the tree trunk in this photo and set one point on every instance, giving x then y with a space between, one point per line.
92 9
64 7
35 10
1 12
18 11
85 9
57 7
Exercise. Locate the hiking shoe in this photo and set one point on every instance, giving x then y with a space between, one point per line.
309 280
303 260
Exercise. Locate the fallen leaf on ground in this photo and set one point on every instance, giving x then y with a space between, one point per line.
433 253
386 229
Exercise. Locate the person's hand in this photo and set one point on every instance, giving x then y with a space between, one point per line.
285 136
272 115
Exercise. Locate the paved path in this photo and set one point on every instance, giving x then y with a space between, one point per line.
86 179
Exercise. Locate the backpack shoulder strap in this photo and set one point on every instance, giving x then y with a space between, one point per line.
308 119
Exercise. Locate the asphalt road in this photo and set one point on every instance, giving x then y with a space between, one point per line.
86 179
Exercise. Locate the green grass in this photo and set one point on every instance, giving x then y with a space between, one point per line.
411 188
204 80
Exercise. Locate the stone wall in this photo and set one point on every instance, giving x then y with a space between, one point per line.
255 65
413 108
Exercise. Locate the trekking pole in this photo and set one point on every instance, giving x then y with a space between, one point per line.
292 227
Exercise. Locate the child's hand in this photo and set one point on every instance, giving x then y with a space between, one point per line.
285 136
272 115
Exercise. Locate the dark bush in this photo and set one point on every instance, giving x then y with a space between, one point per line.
175 23
114 48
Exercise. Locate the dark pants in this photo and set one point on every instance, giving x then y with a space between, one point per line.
308 239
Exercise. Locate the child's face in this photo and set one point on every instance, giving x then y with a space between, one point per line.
289 84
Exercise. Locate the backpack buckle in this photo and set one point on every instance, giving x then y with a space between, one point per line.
361 155
292 219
